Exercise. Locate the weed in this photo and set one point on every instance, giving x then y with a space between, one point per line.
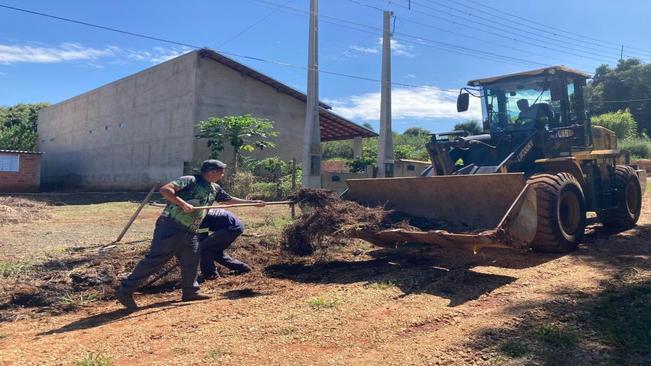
318 303
216 353
552 334
77 300
11 269
3 336
286 331
514 349
277 222
94 359
382 285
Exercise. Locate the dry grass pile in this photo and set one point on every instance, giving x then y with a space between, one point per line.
15 210
84 276
328 220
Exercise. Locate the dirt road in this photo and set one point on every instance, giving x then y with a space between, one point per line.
365 306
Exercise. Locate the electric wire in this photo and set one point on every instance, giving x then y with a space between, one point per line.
252 25
559 29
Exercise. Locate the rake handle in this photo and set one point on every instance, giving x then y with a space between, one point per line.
244 205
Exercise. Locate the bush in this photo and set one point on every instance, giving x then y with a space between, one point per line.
239 184
639 147
621 122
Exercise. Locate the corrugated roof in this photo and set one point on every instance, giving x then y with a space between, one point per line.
333 127
20 152
546 70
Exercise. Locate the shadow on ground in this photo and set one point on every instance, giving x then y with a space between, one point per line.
415 270
609 326
113 316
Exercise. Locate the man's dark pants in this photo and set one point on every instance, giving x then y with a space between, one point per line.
170 239
226 227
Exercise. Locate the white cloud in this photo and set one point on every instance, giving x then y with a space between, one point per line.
399 49
418 103
410 76
11 54
66 52
364 49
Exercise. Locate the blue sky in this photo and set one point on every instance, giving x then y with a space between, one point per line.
437 44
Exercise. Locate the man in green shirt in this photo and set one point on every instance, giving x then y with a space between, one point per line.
175 233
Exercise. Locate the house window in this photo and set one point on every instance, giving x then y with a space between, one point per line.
123 125
336 178
411 168
9 163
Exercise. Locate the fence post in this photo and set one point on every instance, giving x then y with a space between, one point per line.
293 186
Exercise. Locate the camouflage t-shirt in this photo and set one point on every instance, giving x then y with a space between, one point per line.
197 191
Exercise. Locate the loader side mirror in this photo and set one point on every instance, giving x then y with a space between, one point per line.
462 102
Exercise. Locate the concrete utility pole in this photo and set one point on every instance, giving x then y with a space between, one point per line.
312 136
385 157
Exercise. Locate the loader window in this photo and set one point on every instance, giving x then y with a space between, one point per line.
520 105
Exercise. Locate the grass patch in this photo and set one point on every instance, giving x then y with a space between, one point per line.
77 299
94 359
554 335
216 353
623 316
382 285
513 349
286 331
3 336
11 269
319 303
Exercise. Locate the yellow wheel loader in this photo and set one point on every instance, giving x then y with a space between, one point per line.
527 182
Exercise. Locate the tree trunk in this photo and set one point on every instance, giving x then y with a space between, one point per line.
236 160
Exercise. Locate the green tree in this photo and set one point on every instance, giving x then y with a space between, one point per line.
472 127
18 126
416 131
242 133
628 85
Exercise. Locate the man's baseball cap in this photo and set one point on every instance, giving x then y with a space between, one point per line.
212 164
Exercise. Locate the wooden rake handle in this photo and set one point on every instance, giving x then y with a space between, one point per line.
244 205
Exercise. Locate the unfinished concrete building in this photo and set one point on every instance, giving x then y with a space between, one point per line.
141 129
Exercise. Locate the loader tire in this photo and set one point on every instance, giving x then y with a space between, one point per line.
628 196
561 213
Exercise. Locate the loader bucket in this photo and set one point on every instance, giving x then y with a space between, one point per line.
500 209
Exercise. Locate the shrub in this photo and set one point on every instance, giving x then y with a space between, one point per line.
639 147
239 184
621 122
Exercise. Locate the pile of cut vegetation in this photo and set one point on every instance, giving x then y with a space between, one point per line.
85 275
327 220
14 210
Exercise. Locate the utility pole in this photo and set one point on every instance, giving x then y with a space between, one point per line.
385 157
621 54
312 136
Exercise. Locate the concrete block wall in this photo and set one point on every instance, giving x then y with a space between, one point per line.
222 91
125 135
28 177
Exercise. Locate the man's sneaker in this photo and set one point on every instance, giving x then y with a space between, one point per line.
202 278
126 299
194 297
243 269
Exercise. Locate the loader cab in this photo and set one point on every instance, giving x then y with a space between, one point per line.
547 101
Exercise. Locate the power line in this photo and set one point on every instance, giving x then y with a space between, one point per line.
619 101
100 27
559 29
253 58
442 45
527 30
501 35
253 25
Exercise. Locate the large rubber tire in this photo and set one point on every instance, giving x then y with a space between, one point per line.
628 195
561 213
